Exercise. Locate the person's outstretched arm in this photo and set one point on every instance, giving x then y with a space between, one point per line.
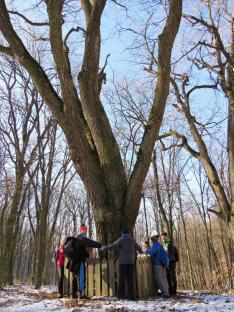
151 250
114 245
138 248
87 242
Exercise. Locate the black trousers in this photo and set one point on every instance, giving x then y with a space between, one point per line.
171 279
74 285
126 273
61 278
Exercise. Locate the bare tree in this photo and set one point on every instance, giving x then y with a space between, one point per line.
21 113
52 177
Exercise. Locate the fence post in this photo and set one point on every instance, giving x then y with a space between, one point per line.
90 270
112 271
138 274
104 276
97 277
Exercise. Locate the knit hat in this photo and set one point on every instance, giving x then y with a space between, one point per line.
155 237
83 229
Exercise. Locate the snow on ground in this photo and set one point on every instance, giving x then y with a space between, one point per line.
27 299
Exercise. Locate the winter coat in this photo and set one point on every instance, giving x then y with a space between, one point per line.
158 254
58 256
171 251
76 249
126 247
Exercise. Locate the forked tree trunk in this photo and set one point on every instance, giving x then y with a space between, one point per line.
94 150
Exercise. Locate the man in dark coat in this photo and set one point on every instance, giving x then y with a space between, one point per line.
173 259
126 247
76 251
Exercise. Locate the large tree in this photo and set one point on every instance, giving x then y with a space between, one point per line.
80 113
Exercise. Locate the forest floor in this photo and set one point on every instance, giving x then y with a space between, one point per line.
26 299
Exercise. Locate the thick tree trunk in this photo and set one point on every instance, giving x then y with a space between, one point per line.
2 229
229 91
94 150
41 249
230 94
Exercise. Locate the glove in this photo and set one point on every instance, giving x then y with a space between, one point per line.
102 252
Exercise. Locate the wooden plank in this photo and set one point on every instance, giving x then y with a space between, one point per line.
112 278
90 270
151 277
97 277
138 274
146 277
143 277
104 277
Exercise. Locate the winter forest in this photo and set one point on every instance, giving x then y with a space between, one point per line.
117 114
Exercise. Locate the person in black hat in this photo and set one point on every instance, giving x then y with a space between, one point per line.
126 247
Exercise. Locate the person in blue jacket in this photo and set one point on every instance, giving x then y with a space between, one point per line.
160 263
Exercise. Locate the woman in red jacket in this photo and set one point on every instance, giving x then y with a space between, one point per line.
60 266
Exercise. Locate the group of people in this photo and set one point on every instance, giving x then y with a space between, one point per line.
163 254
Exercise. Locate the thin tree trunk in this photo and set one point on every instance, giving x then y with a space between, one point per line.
185 239
158 192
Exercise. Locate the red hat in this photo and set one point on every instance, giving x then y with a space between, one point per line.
83 229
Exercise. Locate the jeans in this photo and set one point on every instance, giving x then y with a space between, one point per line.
80 273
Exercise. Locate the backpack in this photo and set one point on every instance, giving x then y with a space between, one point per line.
68 249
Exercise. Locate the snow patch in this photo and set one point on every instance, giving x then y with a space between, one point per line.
26 299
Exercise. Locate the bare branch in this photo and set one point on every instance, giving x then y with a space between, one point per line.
212 29
184 142
217 213
77 29
202 87
28 20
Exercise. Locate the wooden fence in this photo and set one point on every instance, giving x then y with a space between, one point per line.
102 278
